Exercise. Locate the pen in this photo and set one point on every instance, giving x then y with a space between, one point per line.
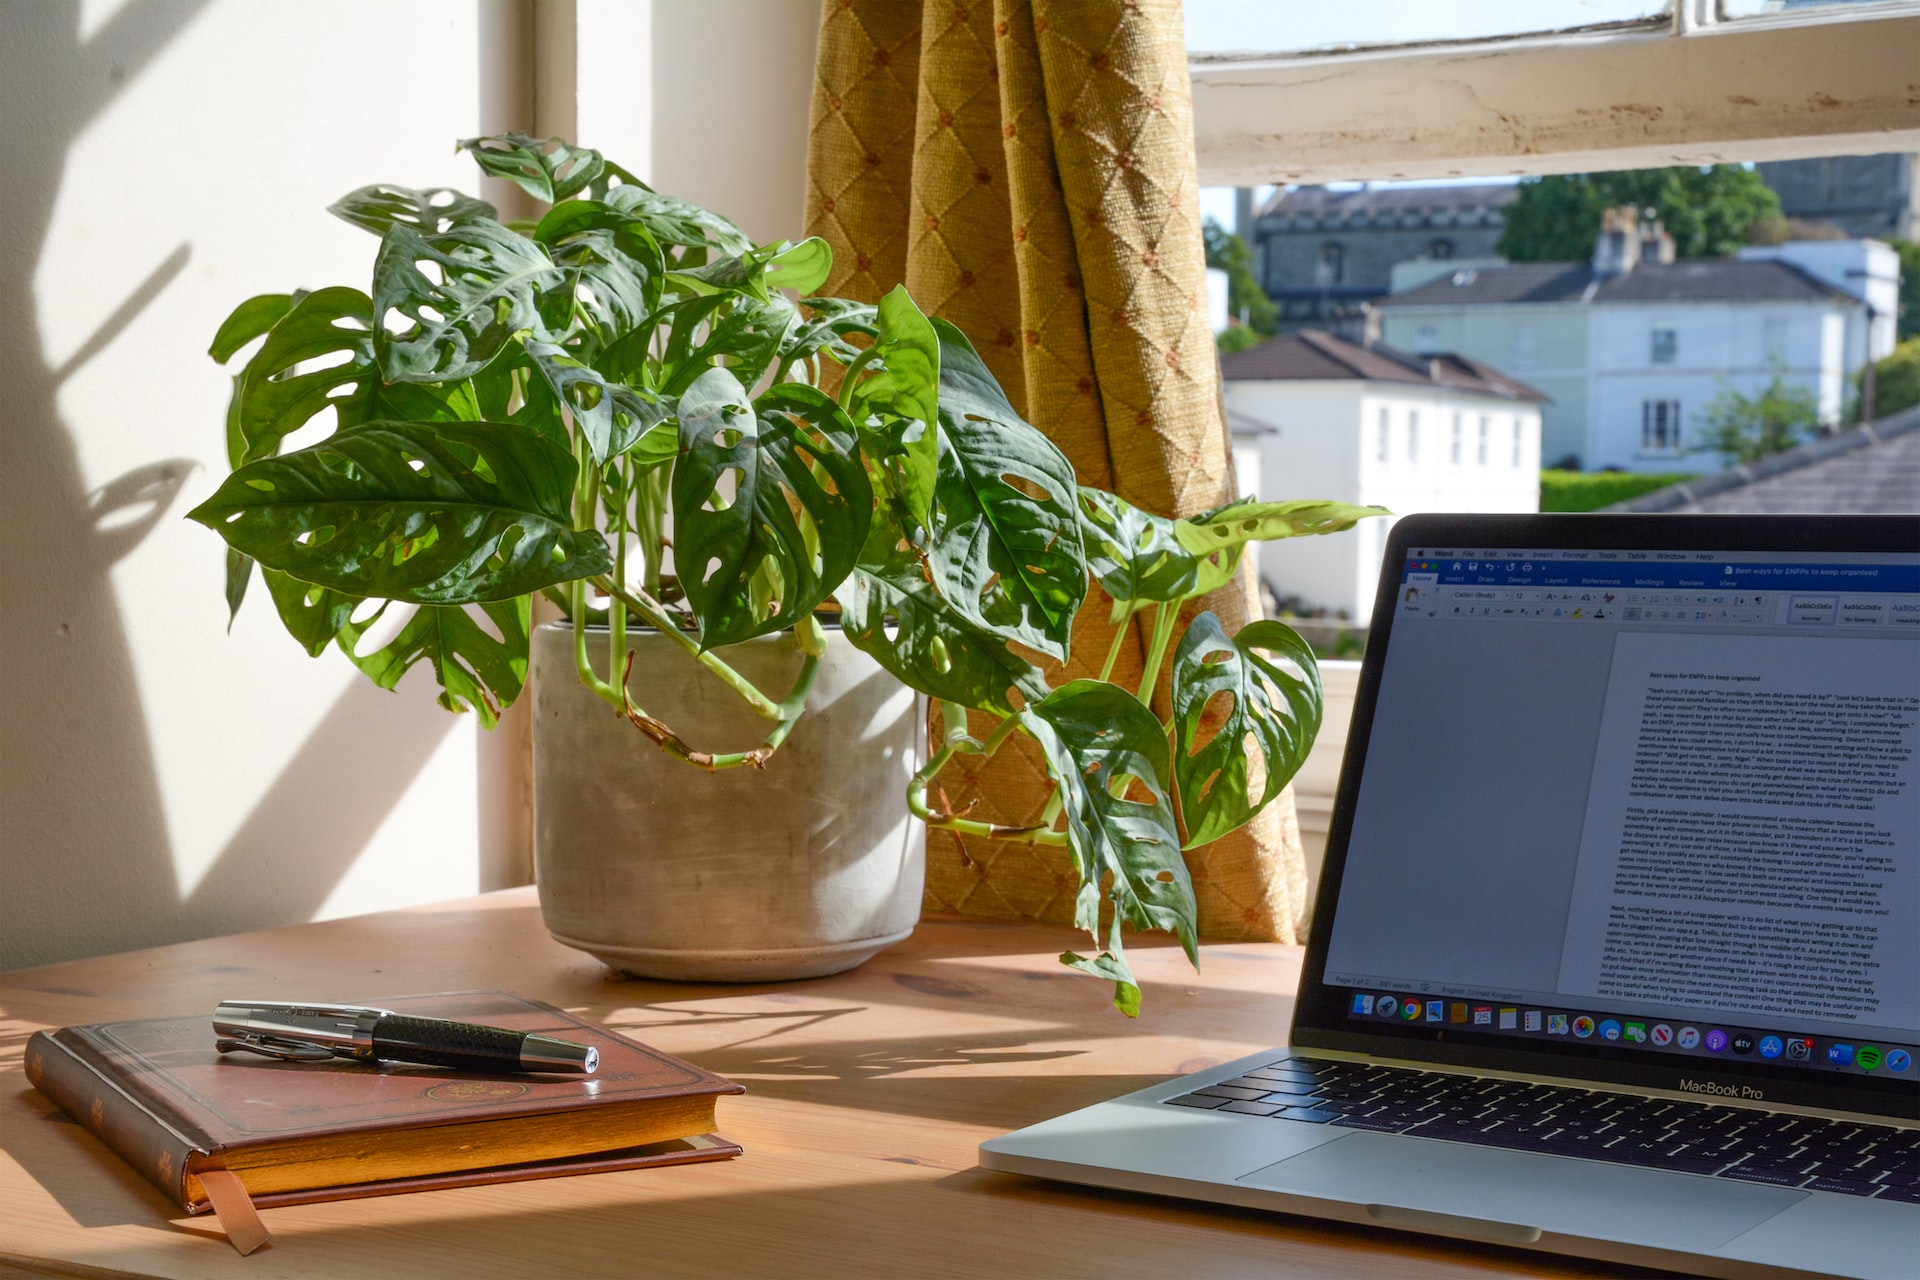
316 1032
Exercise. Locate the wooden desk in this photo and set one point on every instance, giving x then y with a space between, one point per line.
868 1094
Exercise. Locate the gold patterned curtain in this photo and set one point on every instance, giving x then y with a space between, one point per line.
1026 169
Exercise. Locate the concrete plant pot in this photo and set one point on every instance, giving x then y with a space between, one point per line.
663 870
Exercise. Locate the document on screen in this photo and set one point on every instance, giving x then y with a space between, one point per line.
1751 831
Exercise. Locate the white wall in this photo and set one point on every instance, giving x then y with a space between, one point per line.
161 778
1328 446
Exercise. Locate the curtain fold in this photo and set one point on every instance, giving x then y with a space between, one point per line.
1026 169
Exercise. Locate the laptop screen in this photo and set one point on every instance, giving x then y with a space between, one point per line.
1643 793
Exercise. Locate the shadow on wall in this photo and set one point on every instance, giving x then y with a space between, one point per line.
88 866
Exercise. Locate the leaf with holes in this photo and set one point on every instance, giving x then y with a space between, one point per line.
679 222
318 355
1134 555
1112 965
433 210
889 609
1004 538
1245 521
1103 748
827 328
702 331
478 671
611 416
424 513
312 615
798 509
613 269
1226 692
250 320
485 295
548 169
902 401
801 267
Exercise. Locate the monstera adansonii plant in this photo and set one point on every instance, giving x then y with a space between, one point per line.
628 406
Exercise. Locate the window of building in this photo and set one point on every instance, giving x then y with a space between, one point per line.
1659 426
1773 337
1440 249
1413 436
1386 435
1519 435
1666 344
1426 340
1453 447
1486 430
1332 267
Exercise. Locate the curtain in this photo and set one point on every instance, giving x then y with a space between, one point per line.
1026 169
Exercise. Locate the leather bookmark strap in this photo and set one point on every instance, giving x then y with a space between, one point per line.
234 1207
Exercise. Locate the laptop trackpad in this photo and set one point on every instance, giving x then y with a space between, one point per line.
1402 1179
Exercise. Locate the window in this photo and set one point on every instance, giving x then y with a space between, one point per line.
1386 432
1413 436
1440 249
1666 344
1659 426
1519 434
1453 449
1773 337
1332 267
1486 430
1426 340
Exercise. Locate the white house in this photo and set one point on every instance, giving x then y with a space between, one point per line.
1632 346
1371 424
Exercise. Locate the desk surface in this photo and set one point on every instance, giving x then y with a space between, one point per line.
868 1094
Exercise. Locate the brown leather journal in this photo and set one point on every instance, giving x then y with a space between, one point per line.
227 1132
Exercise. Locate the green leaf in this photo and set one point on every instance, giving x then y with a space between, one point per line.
889 609
1136 556
798 511
248 321
485 295
424 513
1245 521
802 267
549 170
828 325
477 670
679 222
239 575
312 615
1102 745
1111 965
611 416
1267 706
432 210
904 397
614 268
297 372
1005 538
703 330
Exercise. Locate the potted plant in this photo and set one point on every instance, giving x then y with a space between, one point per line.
628 407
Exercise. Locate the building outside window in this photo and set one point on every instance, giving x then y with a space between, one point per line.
1666 345
1773 338
1386 429
1413 436
1440 249
1660 426
1486 429
1526 347
1517 438
1333 263
1453 450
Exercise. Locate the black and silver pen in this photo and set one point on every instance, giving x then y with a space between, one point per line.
314 1032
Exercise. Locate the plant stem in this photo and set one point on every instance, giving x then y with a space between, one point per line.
851 379
673 744
656 614
956 742
1119 642
1162 632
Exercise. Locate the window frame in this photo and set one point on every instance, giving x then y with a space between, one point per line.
1676 91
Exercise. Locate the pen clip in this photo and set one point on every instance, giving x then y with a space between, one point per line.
285 1050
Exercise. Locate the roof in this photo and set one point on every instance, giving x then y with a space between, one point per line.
1695 280
1871 470
1368 202
1315 356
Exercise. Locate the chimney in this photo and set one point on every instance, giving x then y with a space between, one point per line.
1656 242
1617 251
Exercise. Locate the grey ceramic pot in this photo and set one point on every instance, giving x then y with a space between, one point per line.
663 870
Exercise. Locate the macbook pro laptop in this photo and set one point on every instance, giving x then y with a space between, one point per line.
1616 951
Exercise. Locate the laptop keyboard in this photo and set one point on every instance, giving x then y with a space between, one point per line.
1778 1149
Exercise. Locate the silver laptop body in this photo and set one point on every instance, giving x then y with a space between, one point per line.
1616 951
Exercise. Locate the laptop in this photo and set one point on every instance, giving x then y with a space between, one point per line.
1616 949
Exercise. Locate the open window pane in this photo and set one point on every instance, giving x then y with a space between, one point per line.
1733 9
1256 27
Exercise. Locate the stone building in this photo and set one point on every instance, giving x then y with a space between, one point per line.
1865 196
1320 252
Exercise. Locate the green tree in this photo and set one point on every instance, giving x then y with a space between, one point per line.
1710 212
1909 252
1896 380
1247 302
1743 428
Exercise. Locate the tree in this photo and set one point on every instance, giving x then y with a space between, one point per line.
1247 302
1710 212
1742 428
1909 252
1896 380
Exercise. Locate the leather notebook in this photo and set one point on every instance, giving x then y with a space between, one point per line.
227 1132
